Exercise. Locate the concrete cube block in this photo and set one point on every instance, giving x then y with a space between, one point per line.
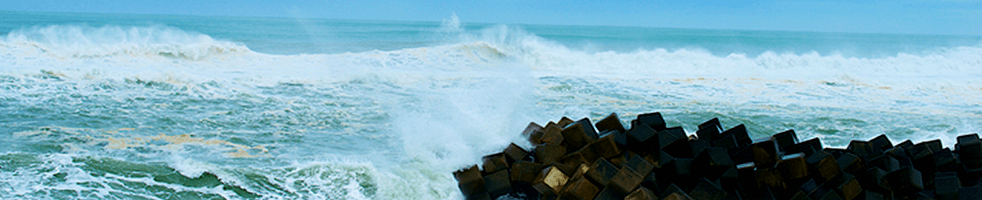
793 167
850 163
549 154
881 143
969 149
706 189
807 147
712 123
709 130
608 194
946 186
605 147
672 188
677 196
550 181
944 160
770 177
863 149
741 135
580 189
824 166
765 153
524 172
712 162
639 165
884 162
565 121
905 180
601 171
642 138
850 188
653 120
641 194
611 122
551 135
726 141
575 137
533 132
674 142
515 153
874 179
625 181
588 128
498 183
971 192
470 181
494 163
785 140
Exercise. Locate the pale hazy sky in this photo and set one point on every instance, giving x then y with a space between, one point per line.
963 17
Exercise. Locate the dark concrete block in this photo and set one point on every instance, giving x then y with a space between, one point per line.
770 177
740 133
653 120
933 145
969 149
850 163
785 140
580 189
583 156
905 181
550 181
608 194
699 145
726 141
713 162
639 165
748 177
551 135
565 121
674 142
683 166
825 194
972 192
672 188
601 171
800 195
871 195
498 183
611 122
946 186
605 146
906 144
650 181
575 137
479 196
642 138
850 188
824 166
625 181
515 153
884 162
588 128
494 163
524 172
709 130
677 196
641 194
807 147
765 153
707 190
873 179
809 187
549 154
660 160
470 181
533 132
863 149
881 143
897 152
794 167
741 154
944 160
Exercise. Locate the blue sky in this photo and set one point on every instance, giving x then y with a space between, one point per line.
963 17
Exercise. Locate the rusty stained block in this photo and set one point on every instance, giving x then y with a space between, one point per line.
793 166
550 181
639 165
765 152
565 121
770 177
470 181
551 135
524 172
588 128
611 122
533 132
625 180
583 156
580 189
850 188
706 189
494 163
601 171
575 137
824 166
605 147
712 162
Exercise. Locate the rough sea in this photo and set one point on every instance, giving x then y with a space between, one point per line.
113 106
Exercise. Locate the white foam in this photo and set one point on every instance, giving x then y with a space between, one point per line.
78 41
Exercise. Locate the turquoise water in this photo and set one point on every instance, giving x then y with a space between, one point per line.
101 106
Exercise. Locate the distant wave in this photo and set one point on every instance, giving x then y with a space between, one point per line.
80 41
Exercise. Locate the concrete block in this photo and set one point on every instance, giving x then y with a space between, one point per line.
533 132
549 154
683 166
770 177
944 160
824 166
871 195
905 181
850 188
601 171
579 157
653 120
565 121
748 177
699 145
588 128
650 181
515 153
524 172
575 137
850 163
906 144
785 140
611 122
863 149
479 196
672 188
551 135
677 196
470 181
608 194
741 135
934 145
884 162
726 141
707 190
641 194
550 181
674 142
881 143
659 160
709 130
741 154
712 162
639 165
874 179
765 153
580 189
807 147
794 167
897 152
969 149
605 147
494 163
498 183
799 195
946 186
625 181
712 123
642 138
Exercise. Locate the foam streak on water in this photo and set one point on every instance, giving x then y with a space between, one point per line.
203 108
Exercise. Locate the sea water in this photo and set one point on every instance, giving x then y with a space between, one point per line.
111 106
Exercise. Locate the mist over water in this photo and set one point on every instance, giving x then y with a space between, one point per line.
133 106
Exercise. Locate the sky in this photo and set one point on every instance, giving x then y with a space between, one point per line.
949 17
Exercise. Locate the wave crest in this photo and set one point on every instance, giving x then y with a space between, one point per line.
78 41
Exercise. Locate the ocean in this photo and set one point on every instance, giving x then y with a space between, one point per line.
118 106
